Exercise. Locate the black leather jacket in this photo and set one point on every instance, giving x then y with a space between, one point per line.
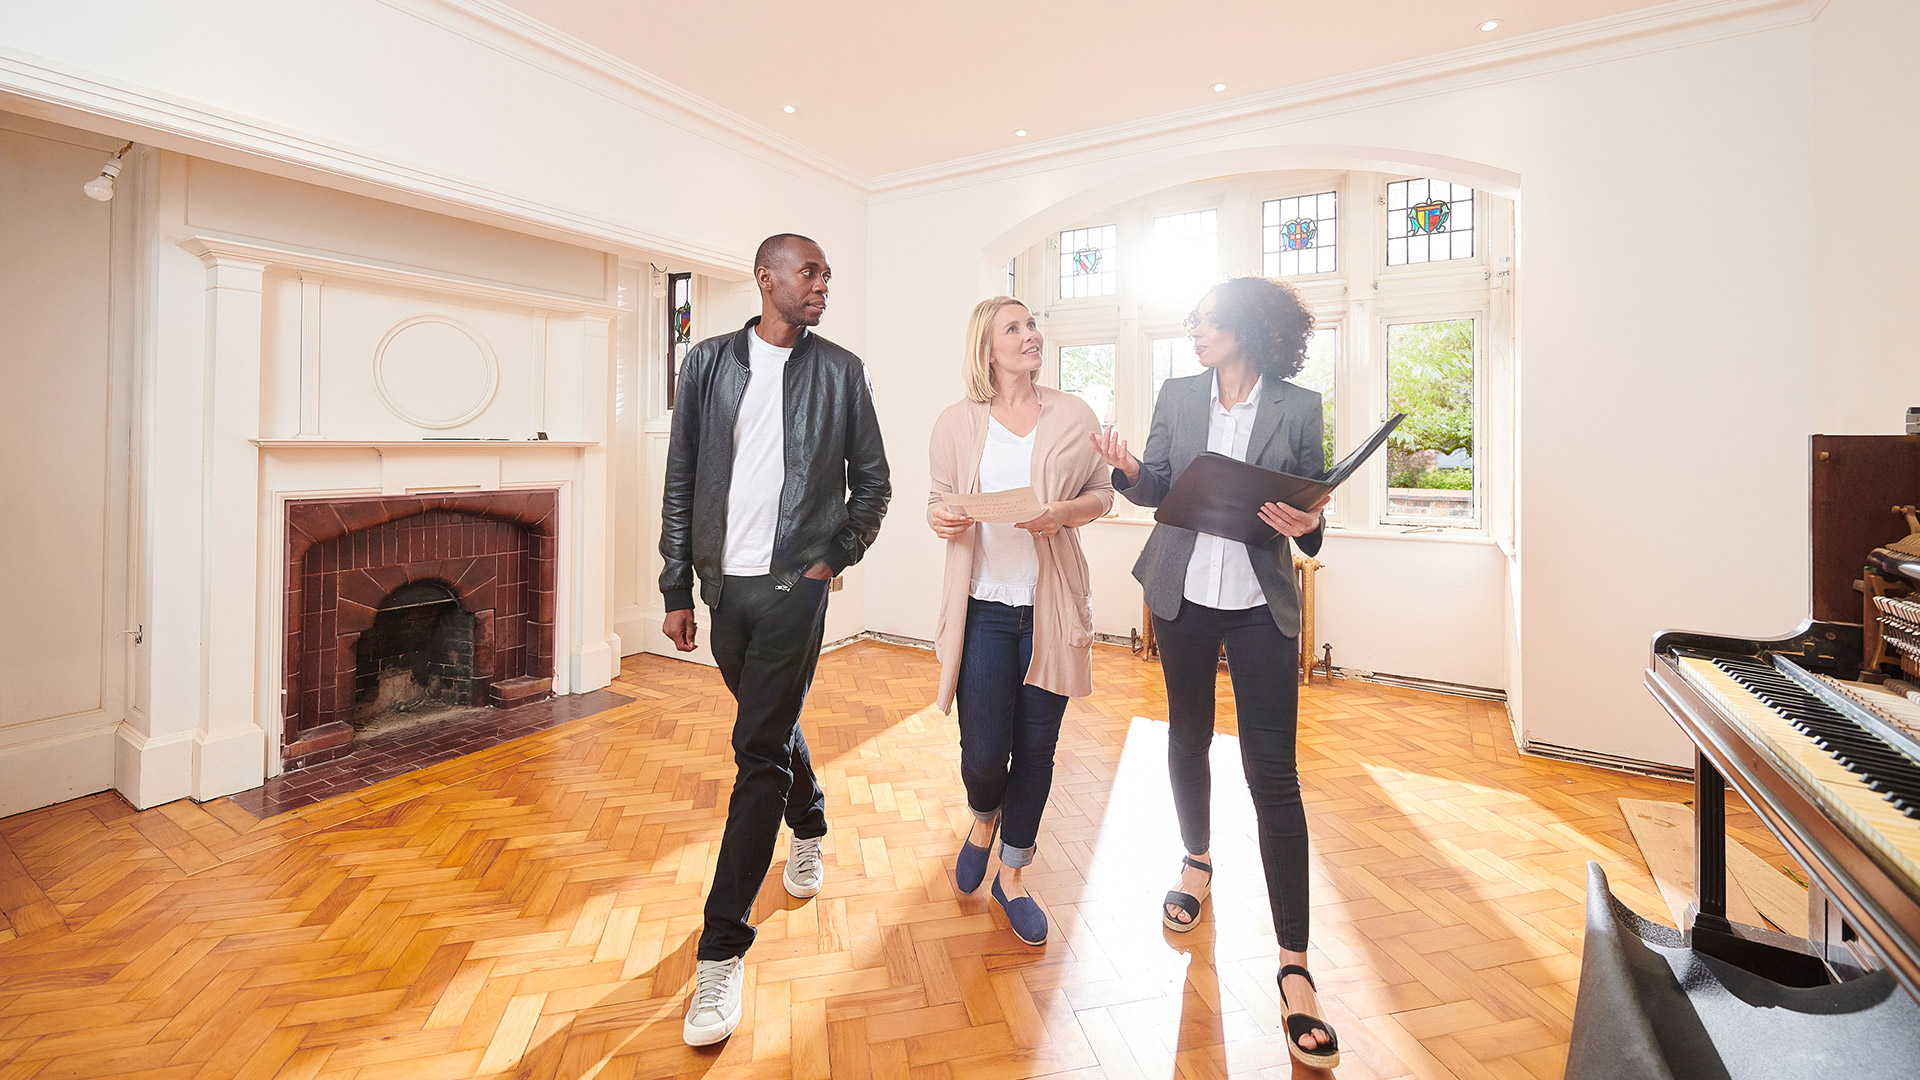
836 487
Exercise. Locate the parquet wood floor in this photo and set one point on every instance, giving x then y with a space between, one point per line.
531 910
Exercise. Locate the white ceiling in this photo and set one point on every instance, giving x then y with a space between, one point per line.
887 85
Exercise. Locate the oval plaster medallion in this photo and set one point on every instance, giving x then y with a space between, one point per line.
435 372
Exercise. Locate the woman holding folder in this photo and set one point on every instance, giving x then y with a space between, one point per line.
1015 630
1203 590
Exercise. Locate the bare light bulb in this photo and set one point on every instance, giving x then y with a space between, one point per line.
100 188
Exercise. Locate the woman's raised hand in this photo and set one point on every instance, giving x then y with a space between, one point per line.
1113 450
947 522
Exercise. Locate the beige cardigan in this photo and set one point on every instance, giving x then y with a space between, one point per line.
1065 466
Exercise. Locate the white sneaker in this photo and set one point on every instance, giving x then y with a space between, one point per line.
806 868
715 1009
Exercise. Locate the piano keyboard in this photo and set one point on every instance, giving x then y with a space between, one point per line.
1868 786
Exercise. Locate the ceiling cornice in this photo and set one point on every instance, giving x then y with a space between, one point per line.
193 127
512 32
1651 29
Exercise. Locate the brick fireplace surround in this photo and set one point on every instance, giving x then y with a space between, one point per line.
496 550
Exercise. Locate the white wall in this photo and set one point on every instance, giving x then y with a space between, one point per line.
63 438
1868 252
1665 387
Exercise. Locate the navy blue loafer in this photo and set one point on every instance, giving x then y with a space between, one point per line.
1029 922
970 869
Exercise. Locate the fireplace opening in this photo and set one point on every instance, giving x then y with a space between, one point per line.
416 662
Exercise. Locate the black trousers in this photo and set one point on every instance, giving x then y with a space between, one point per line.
1264 665
767 642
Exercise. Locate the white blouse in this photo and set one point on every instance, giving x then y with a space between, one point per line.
1006 566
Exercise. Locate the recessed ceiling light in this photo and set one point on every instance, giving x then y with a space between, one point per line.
1219 88
1020 133
786 108
1490 24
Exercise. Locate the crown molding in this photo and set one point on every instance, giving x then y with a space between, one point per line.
191 127
212 247
53 92
512 32
1684 22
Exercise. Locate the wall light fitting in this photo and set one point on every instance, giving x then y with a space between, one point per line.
100 188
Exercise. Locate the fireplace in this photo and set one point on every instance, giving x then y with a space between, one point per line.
401 608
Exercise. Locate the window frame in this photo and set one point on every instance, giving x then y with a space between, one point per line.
1360 298
1412 311
1295 186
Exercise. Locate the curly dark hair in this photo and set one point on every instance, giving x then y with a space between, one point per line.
1267 319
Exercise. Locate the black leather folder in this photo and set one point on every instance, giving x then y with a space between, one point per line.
1222 496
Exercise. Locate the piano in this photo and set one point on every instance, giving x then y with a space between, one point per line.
1817 735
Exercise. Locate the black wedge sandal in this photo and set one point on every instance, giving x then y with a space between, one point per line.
1327 1054
1186 901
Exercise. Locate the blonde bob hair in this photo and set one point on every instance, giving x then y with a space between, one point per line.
976 371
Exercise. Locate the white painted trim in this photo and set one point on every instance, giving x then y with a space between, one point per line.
315 266
196 129
514 33
193 128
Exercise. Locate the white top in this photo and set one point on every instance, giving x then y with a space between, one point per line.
1220 574
759 462
1006 565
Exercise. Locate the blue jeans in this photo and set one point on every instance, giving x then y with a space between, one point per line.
1008 729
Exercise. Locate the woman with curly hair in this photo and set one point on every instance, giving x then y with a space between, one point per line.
1203 591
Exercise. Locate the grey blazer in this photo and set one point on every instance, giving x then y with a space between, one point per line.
1286 437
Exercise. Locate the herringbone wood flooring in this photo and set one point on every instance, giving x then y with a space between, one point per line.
531 910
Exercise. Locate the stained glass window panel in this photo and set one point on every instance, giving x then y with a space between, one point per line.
1428 221
1086 371
1300 234
1430 469
1086 262
679 327
1185 254
1318 374
1172 358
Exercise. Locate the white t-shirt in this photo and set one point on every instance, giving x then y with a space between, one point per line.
1220 574
759 463
1006 567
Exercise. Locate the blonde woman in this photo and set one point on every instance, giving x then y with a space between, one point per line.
1015 631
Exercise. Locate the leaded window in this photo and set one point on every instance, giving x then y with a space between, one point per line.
1086 261
679 327
1300 234
1428 221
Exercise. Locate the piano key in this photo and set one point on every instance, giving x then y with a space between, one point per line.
1891 830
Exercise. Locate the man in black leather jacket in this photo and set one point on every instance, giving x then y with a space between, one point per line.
776 481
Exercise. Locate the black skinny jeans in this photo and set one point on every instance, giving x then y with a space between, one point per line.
1008 729
767 641
1264 665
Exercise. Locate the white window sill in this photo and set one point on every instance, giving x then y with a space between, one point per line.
1336 532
